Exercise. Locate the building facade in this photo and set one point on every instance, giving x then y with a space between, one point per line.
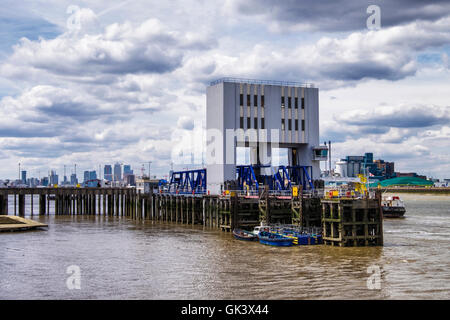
352 166
107 172
260 116
117 172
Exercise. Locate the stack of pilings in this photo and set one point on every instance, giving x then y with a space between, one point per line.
352 222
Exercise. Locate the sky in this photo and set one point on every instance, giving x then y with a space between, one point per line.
100 82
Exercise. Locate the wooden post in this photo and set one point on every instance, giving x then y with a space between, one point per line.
3 198
42 204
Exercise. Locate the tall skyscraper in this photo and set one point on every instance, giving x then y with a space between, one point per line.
92 175
73 179
117 172
108 172
86 176
24 177
127 169
54 179
44 181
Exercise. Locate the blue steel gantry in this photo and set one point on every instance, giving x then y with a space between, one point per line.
188 182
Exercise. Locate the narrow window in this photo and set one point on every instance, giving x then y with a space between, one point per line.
290 125
256 123
303 125
248 123
262 123
282 124
289 102
282 101
255 100
303 103
241 123
296 124
296 102
248 100
241 99
262 101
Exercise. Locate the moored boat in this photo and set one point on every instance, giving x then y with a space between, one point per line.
393 207
244 235
275 239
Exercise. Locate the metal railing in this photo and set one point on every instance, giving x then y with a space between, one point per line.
265 82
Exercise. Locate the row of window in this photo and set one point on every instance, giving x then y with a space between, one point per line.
290 125
290 104
255 100
255 123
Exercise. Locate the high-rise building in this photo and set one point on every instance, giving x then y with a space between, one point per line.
107 172
44 181
24 177
86 176
130 179
54 179
127 169
73 179
92 175
117 172
127 172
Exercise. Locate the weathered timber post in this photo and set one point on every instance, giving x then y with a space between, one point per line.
31 203
3 198
42 203
139 206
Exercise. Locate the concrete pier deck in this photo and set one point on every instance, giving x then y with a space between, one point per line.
13 223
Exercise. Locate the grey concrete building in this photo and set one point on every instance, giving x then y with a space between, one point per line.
277 114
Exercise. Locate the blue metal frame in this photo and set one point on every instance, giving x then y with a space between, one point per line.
188 181
246 174
282 179
301 175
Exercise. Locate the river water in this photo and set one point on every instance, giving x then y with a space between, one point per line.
120 258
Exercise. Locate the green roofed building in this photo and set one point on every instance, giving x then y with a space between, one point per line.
403 181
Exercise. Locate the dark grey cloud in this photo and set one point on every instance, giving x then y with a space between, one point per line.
359 70
406 117
28 131
342 15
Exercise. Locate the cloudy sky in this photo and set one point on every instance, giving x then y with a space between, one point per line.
94 82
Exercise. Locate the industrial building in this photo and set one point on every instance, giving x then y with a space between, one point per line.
351 166
262 117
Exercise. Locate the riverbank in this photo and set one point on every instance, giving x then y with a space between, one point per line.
437 191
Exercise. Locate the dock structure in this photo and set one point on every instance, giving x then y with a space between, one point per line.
352 222
345 222
13 223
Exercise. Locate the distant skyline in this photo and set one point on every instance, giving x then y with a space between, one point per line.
123 79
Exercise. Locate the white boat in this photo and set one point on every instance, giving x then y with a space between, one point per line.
393 207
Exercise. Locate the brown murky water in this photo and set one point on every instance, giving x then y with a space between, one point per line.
121 258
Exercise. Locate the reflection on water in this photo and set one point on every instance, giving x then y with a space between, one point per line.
121 258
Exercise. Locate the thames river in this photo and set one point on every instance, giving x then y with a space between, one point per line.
118 258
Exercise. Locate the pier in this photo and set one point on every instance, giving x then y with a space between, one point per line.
349 222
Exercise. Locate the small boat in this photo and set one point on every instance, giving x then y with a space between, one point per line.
274 239
244 235
258 229
393 207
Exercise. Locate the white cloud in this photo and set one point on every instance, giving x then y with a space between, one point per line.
116 89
